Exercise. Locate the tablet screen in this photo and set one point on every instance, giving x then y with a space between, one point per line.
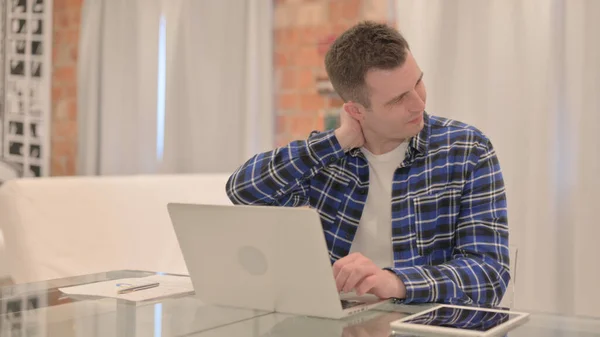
462 318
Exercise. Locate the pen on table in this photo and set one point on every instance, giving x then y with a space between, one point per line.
136 288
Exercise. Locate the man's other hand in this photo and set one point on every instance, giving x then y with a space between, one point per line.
358 273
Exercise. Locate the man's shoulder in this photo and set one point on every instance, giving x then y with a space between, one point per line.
442 129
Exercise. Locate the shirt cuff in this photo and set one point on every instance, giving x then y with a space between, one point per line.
418 285
325 147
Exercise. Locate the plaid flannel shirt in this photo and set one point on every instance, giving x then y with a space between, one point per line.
449 214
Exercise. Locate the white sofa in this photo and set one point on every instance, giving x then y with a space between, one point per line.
66 226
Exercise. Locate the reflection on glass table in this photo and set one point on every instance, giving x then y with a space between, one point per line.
377 324
40 310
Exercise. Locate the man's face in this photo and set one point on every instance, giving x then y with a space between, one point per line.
397 98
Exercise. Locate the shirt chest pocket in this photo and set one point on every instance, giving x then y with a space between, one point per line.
435 220
327 194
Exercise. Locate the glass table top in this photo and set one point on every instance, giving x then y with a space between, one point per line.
40 309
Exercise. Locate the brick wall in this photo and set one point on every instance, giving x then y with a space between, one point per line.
303 32
66 21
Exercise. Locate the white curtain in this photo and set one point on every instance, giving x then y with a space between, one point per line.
219 103
528 74
217 85
117 87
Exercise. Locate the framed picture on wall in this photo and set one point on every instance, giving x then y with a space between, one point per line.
37 48
38 6
16 148
19 26
36 69
37 27
35 151
35 171
17 67
16 128
34 130
17 46
18 6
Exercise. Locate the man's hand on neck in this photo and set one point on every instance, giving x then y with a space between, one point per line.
349 134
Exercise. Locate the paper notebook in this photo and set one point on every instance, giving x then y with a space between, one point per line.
168 286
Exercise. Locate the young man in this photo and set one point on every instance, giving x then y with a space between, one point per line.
413 206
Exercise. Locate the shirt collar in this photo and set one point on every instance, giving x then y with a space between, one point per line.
419 143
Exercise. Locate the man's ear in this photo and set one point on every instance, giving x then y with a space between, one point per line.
354 110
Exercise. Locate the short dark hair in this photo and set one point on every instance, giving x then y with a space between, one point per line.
365 46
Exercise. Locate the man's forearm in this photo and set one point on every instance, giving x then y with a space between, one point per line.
482 280
278 177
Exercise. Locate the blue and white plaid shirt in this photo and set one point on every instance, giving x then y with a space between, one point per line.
449 215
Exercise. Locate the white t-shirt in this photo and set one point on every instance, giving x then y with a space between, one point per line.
373 238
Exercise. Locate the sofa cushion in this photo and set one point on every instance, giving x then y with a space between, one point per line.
67 226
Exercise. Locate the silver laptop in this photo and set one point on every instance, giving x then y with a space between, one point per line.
261 257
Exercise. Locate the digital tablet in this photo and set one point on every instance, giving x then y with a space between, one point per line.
453 320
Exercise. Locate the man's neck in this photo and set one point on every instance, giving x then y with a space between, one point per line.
378 145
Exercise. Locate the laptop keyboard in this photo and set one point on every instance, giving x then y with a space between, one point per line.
349 303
